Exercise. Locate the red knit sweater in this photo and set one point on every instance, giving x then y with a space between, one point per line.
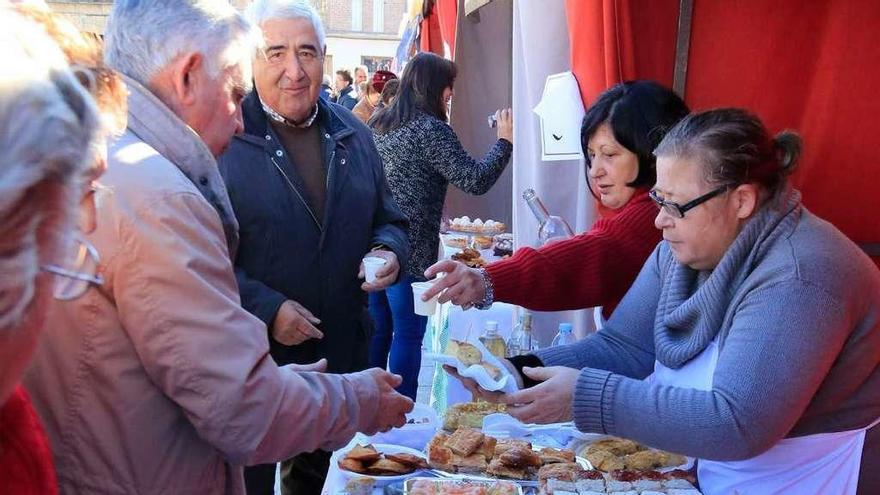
595 268
25 458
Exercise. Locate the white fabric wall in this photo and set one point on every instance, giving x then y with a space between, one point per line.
540 48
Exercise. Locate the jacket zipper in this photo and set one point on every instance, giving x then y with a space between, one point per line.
296 191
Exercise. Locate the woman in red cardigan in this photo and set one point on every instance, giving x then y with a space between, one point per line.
618 136
51 158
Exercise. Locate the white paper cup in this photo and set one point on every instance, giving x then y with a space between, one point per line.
372 265
424 308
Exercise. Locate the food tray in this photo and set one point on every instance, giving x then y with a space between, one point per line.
524 483
462 483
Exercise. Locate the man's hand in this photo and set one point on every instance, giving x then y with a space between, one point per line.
463 285
548 402
294 324
386 275
391 407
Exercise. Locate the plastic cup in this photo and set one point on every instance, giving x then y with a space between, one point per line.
372 265
423 308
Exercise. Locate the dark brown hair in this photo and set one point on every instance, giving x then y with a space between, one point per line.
421 90
639 113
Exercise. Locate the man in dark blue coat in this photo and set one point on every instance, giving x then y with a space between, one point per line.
308 189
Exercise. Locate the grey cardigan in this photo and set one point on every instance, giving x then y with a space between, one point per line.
796 309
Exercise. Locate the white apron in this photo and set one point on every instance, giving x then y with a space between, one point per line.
824 463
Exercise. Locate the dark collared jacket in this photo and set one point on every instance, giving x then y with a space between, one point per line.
285 254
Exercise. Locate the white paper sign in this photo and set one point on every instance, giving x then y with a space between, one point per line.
561 112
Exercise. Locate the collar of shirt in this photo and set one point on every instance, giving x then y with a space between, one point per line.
277 117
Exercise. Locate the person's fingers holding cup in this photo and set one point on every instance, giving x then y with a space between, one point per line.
423 305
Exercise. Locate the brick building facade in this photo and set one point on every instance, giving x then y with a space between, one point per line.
358 31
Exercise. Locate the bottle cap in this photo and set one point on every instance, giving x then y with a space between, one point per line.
491 326
565 327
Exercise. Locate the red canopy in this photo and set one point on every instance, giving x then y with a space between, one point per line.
809 66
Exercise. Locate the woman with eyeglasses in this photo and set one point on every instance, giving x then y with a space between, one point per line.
51 147
750 338
596 268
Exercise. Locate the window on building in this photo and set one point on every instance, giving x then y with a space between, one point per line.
378 16
357 15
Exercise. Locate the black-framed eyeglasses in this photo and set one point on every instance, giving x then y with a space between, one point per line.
678 210
77 274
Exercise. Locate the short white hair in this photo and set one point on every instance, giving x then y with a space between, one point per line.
142 37
261 11
47 123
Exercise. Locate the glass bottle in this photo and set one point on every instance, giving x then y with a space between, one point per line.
564 336
551 228
521 340
493 340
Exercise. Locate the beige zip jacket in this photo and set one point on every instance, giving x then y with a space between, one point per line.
158 382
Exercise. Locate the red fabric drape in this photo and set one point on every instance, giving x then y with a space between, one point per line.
607 45
809 66
608 42
439 28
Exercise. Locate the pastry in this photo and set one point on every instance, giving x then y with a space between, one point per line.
487 448
604 460
567 471
468 354
550 456
643 459
455 242
558 487
617 446
352 465
503 488
679 478
497 468
474 463
364 453
362 485
505 444
410 460
387 467
649 480
520 457
439 455
482 242
493 371
591 480
470 414
668 459
465 441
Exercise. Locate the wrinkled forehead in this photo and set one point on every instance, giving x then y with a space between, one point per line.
679 175
297 32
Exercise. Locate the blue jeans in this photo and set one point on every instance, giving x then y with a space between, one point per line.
397 337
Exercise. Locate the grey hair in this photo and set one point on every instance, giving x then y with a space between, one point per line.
261 11
142 37
48 124
734 147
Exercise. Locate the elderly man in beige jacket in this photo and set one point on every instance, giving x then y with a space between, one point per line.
158 382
